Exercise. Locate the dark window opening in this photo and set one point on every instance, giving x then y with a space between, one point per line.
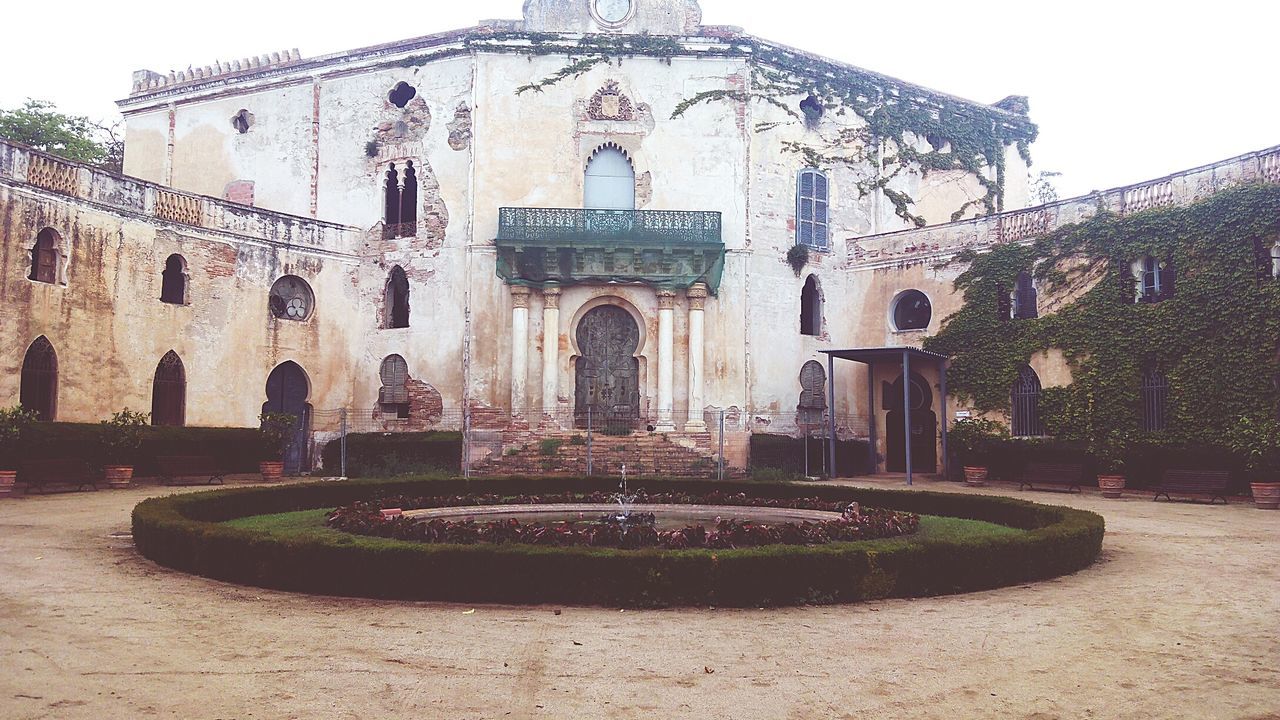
44 257
1155 400
1026 404
400 202
242 121
173 282
1004 303
1024 297
401 94
169 392
1158 280
812 109
912 311
39 388
397 299
393 396
813 395
812 209
810 308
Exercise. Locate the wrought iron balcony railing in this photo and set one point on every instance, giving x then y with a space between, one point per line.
572 225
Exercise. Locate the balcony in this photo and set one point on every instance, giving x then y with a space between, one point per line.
664 248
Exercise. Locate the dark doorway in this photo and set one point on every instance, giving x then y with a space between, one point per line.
924 427
169 392
39 385
608 373
287 392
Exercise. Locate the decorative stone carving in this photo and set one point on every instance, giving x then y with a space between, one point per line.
697 294
551 296
520 296
50 174
610 104
177 208
666 299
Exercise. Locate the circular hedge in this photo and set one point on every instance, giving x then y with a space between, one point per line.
185 532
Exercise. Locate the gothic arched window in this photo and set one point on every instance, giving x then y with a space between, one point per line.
811 209
39 387
813 394
397 299
1026 404
393 396
609 182
400 202
811 308
169 392
173 283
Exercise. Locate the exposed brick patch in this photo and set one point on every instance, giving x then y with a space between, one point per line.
239 191
644 189
426 407
409 124
460 128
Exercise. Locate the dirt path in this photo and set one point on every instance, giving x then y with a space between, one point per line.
1178 620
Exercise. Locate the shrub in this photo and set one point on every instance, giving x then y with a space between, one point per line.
236 450
549 446
396 454
787 454
181 532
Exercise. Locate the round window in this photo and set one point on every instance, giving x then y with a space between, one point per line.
291 298
612 11
912 311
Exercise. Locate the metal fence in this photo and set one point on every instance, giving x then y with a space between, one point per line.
721 443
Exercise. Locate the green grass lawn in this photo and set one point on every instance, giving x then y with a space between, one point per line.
309 524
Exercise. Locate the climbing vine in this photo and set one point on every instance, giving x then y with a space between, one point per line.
1215 339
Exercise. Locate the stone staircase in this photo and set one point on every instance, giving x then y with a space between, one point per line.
565 453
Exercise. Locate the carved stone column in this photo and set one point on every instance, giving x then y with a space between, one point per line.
697 304
666 360
551 350
519 348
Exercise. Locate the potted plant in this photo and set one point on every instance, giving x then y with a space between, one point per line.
14 422
972 442
275 427
1110 453
1258 443
121 438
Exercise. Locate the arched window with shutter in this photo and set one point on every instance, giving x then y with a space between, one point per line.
811 308
1155 279
169 392
812 205
393 397
46 256
813 395
39 385
397 299
1026 404
609 182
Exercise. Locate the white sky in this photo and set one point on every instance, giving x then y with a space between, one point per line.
1122 91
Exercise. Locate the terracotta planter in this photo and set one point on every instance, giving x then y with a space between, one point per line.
272 470
1112 486
975 476
7 479
118 476
1266 496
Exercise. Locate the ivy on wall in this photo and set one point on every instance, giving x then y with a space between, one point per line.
896 118
1216 338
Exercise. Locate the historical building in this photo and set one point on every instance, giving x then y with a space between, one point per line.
605 208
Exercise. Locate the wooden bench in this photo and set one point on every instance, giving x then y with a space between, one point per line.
175 467
42 473
1212 483
1068 476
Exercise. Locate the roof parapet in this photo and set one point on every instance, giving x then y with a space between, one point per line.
147 80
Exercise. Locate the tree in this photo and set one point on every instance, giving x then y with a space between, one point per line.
74 137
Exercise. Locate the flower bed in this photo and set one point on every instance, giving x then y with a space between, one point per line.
187 532
367 518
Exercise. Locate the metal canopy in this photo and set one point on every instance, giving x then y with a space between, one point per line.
870 357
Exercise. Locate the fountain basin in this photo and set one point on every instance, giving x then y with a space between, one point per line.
669 517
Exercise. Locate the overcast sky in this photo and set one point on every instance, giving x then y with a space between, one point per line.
1122 90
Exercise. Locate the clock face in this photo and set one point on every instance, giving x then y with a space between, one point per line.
613 11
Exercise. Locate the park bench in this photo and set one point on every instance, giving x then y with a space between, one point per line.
173 468
1068 476
42 473
1211 483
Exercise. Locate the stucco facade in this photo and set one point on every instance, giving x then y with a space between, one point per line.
285 161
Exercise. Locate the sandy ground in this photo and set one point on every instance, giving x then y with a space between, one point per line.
1179 619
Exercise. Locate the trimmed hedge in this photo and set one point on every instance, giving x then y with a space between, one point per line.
785 453
395 454
236 450
183 532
